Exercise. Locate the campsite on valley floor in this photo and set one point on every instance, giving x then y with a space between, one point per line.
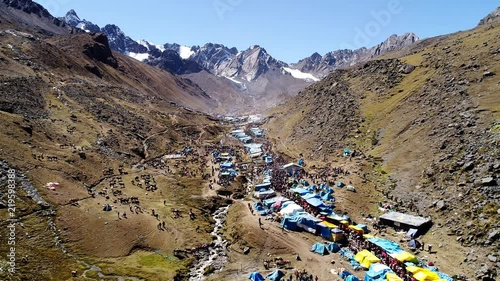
286 194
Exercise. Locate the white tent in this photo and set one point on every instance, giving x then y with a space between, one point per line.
291 209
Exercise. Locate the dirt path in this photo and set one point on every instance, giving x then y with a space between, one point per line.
272 241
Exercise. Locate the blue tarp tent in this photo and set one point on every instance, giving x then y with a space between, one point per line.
319 248
324 231
333 247
377 272
351 278
364 227
226 165
300 190
255 276
276 275
315 202
262 186
340 184
414 244
344 274
307 223
389 246
290 223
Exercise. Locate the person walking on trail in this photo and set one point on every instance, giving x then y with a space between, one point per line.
260 223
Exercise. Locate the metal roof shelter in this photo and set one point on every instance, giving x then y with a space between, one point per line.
405 221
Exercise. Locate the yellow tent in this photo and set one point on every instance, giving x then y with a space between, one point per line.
366 258
358 229
368 236
330 225
224 154
346 223
405 257
392 277
423 274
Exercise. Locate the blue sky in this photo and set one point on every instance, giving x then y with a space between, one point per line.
288 29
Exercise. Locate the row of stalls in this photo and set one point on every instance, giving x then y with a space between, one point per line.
386 260
241 135
305 207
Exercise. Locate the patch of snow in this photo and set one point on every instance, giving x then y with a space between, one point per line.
185 52
80 25
300 75
232 79
139 57
143 43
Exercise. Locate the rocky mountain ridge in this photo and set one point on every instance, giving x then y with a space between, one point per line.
246 65
323 65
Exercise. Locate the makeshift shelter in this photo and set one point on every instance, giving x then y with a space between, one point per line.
337 235
319 248
264 194
226 165
405 221
351 278
377 272
405 257
391 276
276 275
301 191
388 246
333 247
107 208
414 244
366 258
357 229
255 276
290 223
307 222
423 274
262 186
292 168
363 227
291 209
324 230
412 233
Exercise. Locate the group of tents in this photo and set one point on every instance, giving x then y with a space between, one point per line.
276 275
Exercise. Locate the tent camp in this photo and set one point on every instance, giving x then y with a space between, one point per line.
107 208
319 248
377 272
276 275
255 276
366 258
